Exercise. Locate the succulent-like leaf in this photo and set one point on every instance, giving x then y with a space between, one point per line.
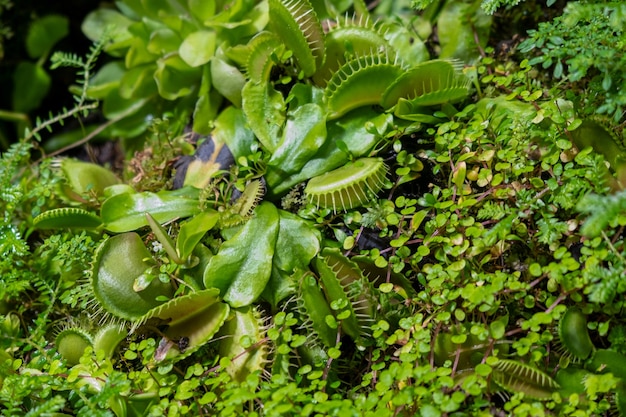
84 178
119 261
126 212
193 230
198 47
296 23
347 187
174 78
264 108
243 264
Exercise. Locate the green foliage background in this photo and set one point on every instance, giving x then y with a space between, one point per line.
499 230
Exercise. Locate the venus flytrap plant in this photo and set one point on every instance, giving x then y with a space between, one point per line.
460 246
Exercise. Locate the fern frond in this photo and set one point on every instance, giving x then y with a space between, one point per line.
66 59
603 210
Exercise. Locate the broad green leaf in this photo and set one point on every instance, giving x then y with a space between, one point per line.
458 26
86 178
280 285
138 82
228 80
115 105
30 85
44 33
174 77
201 9
264 108
125 212
351 131
198 47
208 103
231 129
106 79
164 41
111 22
298 242
192 231
138 52
303 135
243 264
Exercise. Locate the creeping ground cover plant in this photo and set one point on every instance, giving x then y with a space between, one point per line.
324 208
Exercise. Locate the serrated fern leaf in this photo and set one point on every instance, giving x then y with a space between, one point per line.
603 211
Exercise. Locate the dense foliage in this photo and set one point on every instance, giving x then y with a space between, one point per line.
382 213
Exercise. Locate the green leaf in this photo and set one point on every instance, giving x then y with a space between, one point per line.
44 33
198 47
243 264
298 242
279 286
111 22
228 80
458 25
231 128
163 41
246 324
264 108
164 238
138 82
86 178
192 231
106 79
174 77
120 262
125 212
303 135
352 132
30 85
201 9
